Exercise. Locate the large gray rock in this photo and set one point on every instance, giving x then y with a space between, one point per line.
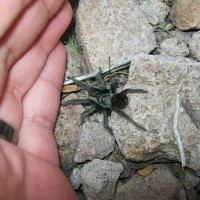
164 77
173 47
94 142
194 45
155 11
185 14
99 178
74 61
184 36
66 134
160 184
112 28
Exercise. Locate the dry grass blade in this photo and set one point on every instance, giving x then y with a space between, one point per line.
176 133
105 70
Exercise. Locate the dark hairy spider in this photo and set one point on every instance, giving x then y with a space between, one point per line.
107 100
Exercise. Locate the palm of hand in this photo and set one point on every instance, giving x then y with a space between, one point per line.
31 78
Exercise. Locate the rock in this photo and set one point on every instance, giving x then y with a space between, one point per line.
163 77
191 184
116 29
75 178
155 11
190 180
184 36
99 178
173 47
80 196
74 63
66 134
194 45
94 142
168 2
185 14
160 184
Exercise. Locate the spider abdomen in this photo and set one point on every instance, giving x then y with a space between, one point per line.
120 100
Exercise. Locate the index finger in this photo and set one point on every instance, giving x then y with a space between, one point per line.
22 33
10 9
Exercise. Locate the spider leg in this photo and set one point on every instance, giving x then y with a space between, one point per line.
129 90
105 122
77 101
113 85
91 90
100 80
121 113
105 118
87 112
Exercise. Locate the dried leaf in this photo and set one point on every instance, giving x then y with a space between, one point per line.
147 170
108 77
70 88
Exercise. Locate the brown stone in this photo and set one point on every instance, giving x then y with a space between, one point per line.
185 14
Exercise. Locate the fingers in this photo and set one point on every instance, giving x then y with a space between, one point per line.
26 70
24 31
40 106
31 64
10 11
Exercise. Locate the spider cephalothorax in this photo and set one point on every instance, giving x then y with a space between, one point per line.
107 100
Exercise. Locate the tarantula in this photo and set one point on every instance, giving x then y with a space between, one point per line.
107 100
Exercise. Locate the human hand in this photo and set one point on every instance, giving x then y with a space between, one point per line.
32 63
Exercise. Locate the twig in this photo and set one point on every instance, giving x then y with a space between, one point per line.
176 133
112 68
118 158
